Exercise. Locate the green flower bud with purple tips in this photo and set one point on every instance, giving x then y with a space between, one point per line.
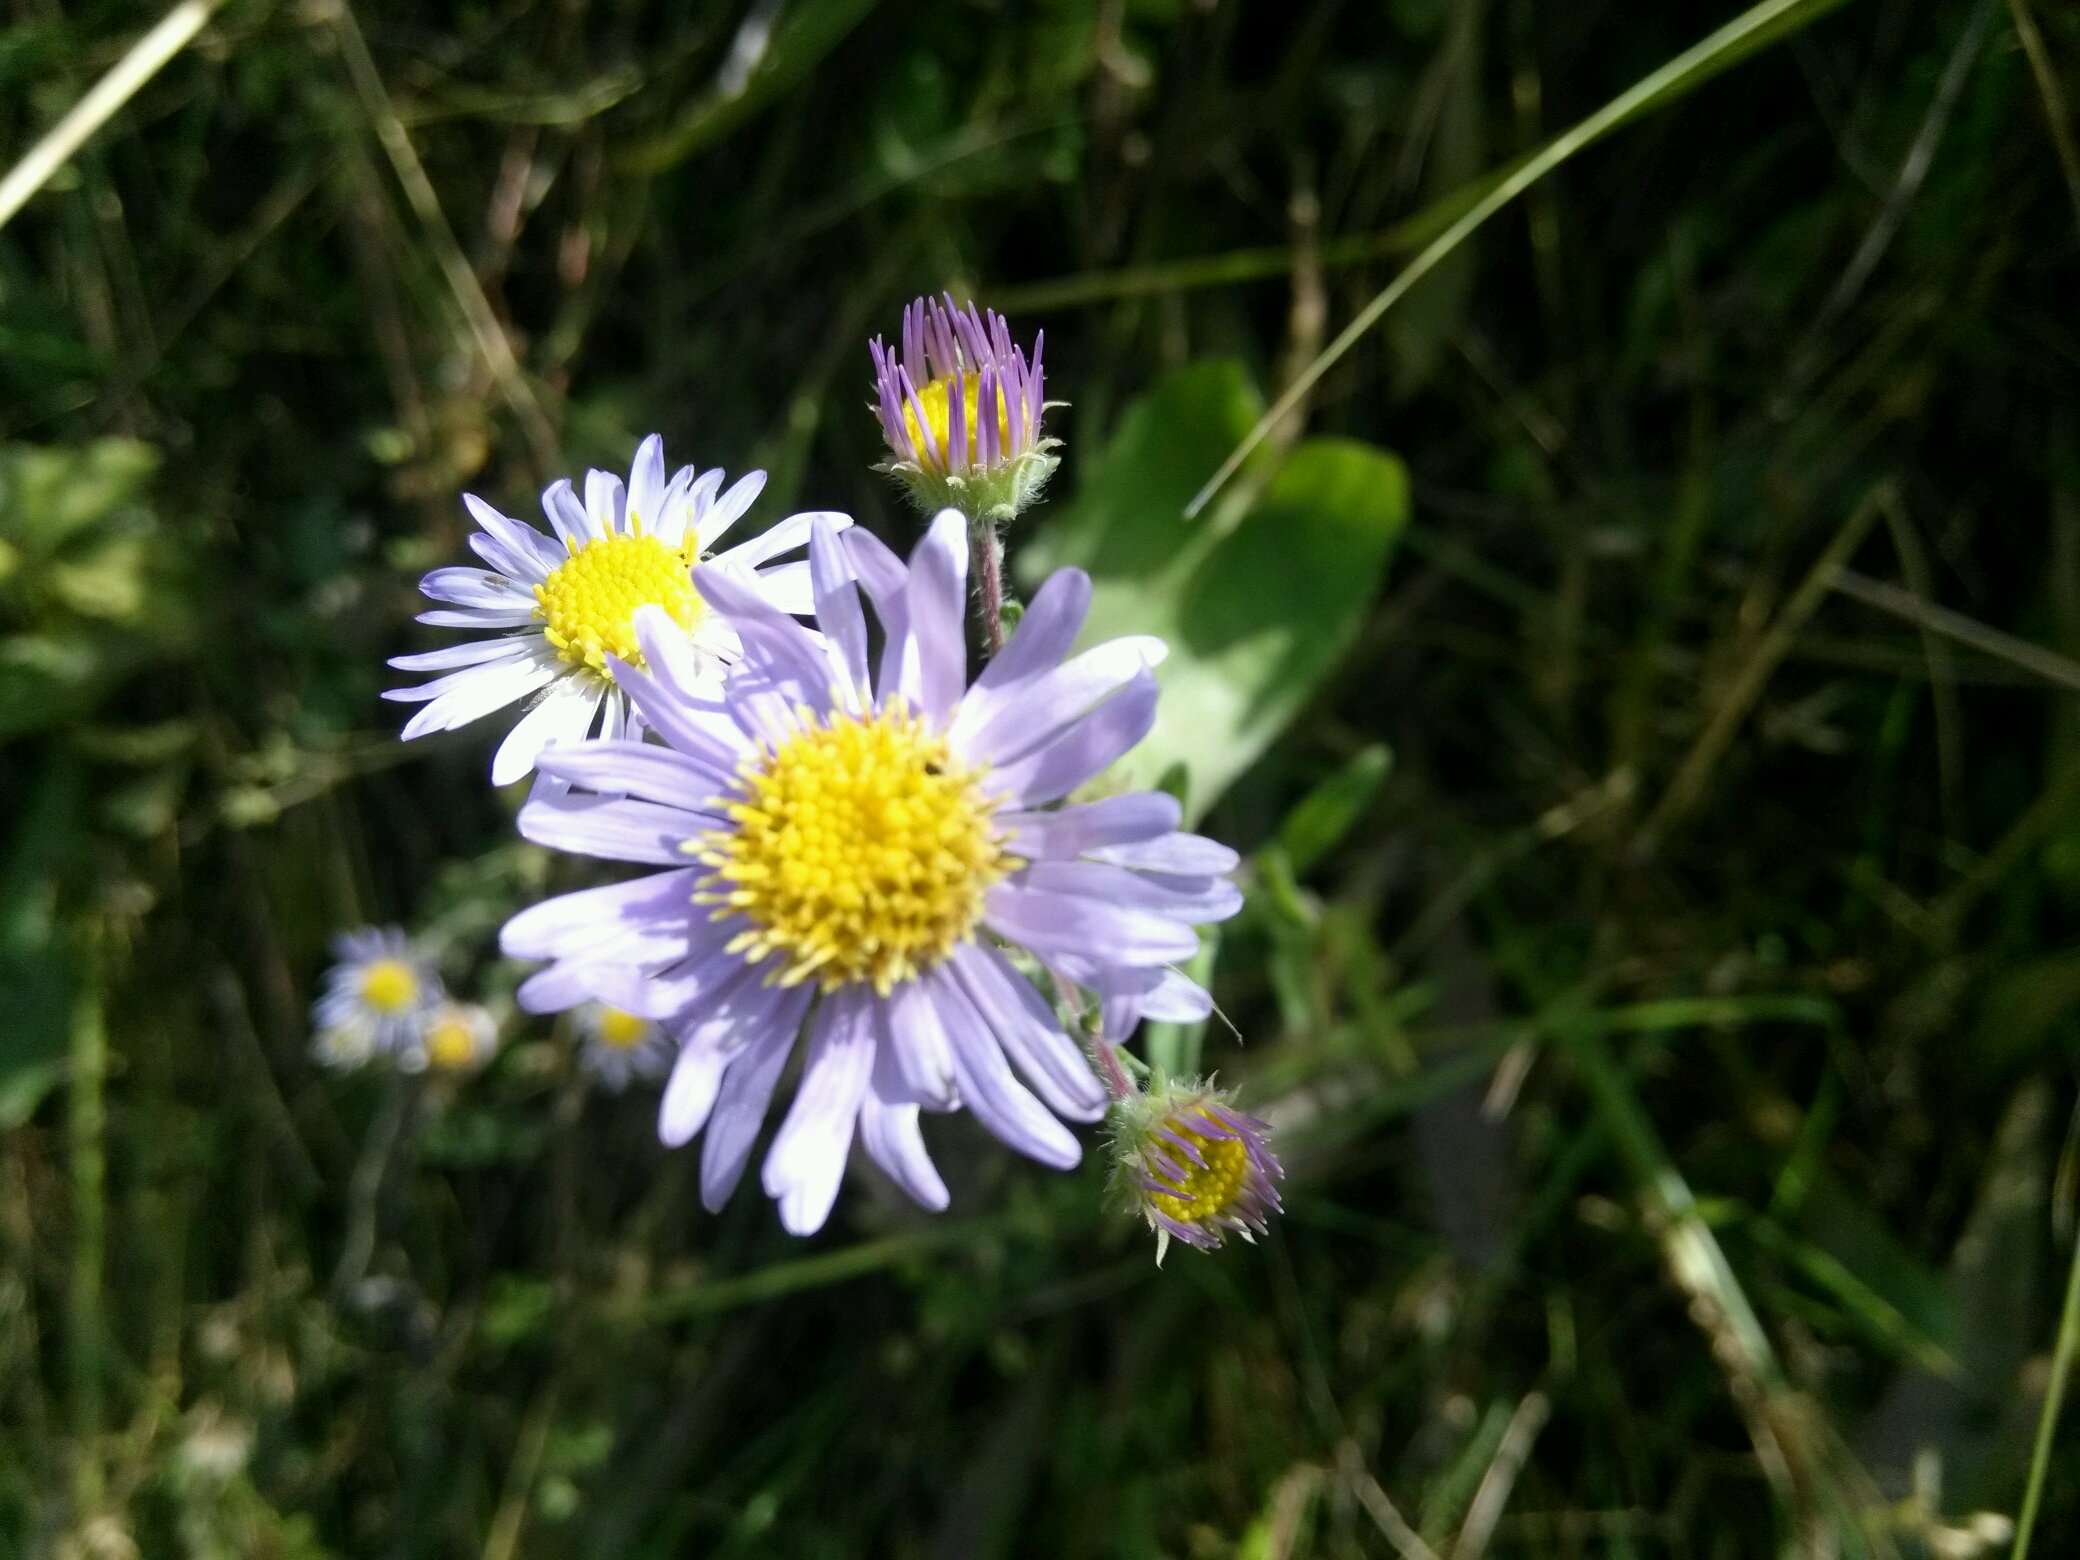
1191 1164
960 409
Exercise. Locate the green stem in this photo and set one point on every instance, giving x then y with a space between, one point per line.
87 1126
2061 1367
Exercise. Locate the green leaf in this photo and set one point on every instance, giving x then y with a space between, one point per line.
1257 610
32 1030
1332 809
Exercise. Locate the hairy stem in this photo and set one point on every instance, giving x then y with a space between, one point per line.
988 549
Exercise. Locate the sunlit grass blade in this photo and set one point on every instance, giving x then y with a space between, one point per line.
1765 23
2054 1397
144 61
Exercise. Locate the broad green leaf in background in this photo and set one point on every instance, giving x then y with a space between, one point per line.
89 580
1257 606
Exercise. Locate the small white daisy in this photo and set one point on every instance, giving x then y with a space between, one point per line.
558 607
618 1048
460 1038
376 998
345 1047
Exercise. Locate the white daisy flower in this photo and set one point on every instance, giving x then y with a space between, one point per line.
344 1047
556 608
617 1048
460 1038
376 998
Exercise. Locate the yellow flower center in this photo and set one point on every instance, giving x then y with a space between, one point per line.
861 852
622 1031
589 601
389 985
451 1044
936 397
1206 1191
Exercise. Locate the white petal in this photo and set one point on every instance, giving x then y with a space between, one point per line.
470 652
646 483
728 509
487 688
564 715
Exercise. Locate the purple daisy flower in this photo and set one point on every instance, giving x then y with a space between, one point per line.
856 846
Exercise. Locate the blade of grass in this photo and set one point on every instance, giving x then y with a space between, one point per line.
1765 22
1776 1418
2054 1395
1501 1478
2054 668
485 327
1685 790
817 1272
147 57
2055 111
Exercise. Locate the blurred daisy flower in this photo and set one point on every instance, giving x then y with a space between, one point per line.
556 610
855 848
617 1048
960 409
460 1037
375 1000
1193 1166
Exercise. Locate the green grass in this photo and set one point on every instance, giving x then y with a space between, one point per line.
1640 673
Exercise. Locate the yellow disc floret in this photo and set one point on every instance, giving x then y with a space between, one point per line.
622 1030
451 1044
1205 1191
861 853
389 985
936 398
589 601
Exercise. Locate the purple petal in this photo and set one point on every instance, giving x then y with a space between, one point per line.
747 1089
689 1096
938 602
1059 923
1086 749
888 1131
885 578
774 643
612 828
1029 1031
838 611
1184 855
644 771
1000 1102
644 919
1070 831
1051 623
918 1044
999 728
1194 899
807 1160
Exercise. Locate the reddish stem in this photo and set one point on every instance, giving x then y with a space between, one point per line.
989 581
